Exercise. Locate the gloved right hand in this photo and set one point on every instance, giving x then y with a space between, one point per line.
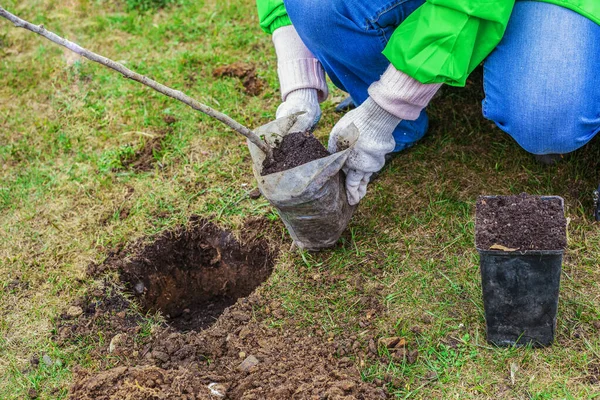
305 101
370 129
395 96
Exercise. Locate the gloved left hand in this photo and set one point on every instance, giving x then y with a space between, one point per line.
305 101
374 127
301 78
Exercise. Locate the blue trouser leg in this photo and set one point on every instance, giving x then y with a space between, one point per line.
542 82
348 36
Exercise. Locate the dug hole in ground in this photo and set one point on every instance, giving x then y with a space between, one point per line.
205 350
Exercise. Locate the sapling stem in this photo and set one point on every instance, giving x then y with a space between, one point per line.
126 72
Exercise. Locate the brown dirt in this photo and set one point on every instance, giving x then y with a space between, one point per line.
284 362
105 312
521 222
294 150
143 159
593 373
246 72
291 363
169 119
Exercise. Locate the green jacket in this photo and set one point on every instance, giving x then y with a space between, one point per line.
443 40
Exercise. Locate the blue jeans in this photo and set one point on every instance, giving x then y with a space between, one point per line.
540 82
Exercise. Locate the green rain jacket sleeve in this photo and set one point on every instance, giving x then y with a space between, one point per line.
272 15
444 40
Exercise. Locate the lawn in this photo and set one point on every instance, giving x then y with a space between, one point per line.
93 166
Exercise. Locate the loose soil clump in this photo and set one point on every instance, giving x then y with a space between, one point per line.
521 222
295 149
192 275
246 72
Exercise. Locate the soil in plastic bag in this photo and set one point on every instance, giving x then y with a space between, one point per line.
521 222
295 149
309 191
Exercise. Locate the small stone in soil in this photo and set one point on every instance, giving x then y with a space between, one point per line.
249 363
295 149
116 341
254 194
74 311
139 287
217 389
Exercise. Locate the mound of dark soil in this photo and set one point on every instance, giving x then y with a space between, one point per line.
294 150
520 222
239 357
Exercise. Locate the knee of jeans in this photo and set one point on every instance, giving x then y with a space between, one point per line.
544 128
314 18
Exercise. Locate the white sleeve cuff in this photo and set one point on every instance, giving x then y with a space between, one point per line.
401 95
297 67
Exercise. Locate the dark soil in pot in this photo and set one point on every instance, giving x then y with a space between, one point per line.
521 222
521 241
294 150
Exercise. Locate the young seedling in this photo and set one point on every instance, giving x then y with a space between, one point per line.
126 72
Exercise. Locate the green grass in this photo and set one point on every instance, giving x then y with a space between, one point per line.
69 127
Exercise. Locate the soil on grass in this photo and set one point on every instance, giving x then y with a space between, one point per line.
253 85
520 222
144 160
295 149
252 351
101 314
239 357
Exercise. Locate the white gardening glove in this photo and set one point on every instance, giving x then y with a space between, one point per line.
374 127
301 79
394 97
303 101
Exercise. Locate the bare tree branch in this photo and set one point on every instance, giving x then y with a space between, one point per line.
176 94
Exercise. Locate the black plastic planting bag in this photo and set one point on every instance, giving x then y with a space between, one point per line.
311 198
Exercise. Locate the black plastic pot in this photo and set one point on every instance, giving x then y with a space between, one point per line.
520 295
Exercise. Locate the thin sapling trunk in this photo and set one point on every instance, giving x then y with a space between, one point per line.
176 94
